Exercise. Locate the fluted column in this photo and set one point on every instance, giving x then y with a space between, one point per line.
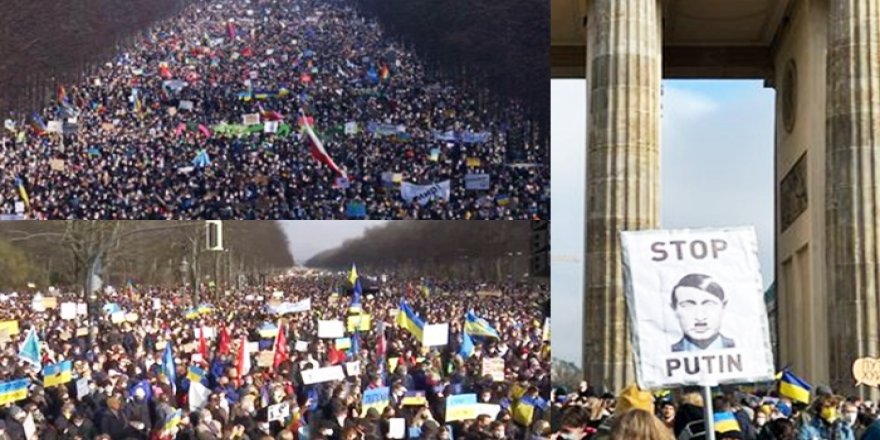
624 53
853 139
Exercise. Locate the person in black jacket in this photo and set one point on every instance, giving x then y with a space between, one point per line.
114 422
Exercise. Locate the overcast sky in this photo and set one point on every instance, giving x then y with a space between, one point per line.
308 237
716 170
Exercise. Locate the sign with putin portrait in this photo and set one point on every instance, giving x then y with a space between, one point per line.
696 307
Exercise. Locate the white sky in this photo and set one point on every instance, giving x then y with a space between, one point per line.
309 237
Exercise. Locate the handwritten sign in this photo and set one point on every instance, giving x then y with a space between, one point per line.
331 329
866 371
494 367
460 407
278 412
377 398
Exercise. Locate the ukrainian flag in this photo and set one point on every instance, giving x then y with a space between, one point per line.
13 390
794 387
477 326
353 275
205 309
407 319
57 374
195 374
524 411
467 346
191 314
173 420
356 297
23 192
725 422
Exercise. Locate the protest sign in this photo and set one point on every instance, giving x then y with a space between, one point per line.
353 368
278 412
494 367
185 105
50 302
414 398
55 127
56 164
68 310
251 119
82 331
362 322
422 194
11 327
477 181
488 409
82 388
866 371
29 427
265 358
460 407
377 398
301 346
343 343
435 334
325 374
397 428
696 307
270 127
157 304
82 309
117 317
331 329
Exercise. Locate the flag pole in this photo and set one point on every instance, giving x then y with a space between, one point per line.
708 416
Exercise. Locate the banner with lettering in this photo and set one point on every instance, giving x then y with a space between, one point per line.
696 307
422 194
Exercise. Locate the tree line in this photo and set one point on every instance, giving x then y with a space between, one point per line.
150 252
488 251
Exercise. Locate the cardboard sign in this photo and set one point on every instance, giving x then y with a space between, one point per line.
494 367
361 322
325 374
696 307
278 412
435 334
50 302
82 309
56 164
460 407
331 329
117 317
866 371
84 331
68 310
265 358
131 317
11 327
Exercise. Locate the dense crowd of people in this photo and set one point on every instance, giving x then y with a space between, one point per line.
132 132
157 363
634 414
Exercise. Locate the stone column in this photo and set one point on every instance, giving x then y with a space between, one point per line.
852 217
624 72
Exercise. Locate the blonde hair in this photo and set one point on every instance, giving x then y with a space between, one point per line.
693 398
638 424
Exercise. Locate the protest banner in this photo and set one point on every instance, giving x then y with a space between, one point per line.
494 367
265 358
435 335
377 398
477 181
331 329
696 307
460 407
422 194
251 119
362 322
326 374
277 412
68 310
11 327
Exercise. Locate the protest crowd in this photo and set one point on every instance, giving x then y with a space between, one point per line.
281 109
302 357
792 410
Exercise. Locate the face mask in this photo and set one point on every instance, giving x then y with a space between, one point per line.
850 418
829 414
569 436
760 422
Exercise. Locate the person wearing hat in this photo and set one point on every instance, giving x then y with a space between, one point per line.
632 397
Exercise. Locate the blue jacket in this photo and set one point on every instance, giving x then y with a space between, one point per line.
816 429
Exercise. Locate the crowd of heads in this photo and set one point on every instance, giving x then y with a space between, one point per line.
130 394
636 414
130 153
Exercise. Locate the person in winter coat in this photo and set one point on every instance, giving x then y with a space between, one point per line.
825 421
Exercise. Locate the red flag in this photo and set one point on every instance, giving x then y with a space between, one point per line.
203 345
334 355
280 347
204 130
318 151
380 343
224 341
230 30
243 363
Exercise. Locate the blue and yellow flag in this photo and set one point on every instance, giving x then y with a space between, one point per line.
173 420
476 326
57 374
467 346
794 387
725 422
22 192
195 374
204 309
356 297
524 410
407 319
353 275
169 370
13 390
191 313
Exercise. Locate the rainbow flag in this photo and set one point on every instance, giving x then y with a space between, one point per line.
57 374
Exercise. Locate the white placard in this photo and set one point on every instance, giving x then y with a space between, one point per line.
488 409
157 304
270 127
397 428
198 395
279 412
353 368
253 347
68 310
82 309
82 388
210 333
251 119
331 329
696 307
185 105
301 346
422 194
325 374
435 334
